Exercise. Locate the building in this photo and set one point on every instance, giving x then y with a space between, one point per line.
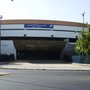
38 39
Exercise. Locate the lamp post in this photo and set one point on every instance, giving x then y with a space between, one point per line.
83 37
0 33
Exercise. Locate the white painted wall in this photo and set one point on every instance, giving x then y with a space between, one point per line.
12 26
7 47
68 28
12 33
58 34
38 33
59 31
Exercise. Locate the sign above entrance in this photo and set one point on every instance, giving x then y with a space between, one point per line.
38 26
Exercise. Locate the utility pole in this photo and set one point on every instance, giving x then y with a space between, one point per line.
83 37
0 33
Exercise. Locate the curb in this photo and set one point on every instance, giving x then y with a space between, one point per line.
44 69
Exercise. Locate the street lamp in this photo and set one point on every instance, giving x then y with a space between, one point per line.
0 33
83 37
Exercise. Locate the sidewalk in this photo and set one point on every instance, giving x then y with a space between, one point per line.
44 66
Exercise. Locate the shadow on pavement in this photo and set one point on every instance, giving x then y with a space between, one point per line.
45 61
4 63
33 61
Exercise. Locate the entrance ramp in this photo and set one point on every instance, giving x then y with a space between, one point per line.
39 49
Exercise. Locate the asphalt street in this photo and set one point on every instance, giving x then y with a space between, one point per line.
45 80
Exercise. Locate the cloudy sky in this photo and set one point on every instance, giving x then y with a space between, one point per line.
65 10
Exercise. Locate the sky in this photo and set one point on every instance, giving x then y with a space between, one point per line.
63 10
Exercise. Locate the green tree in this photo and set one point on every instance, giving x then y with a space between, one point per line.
83 43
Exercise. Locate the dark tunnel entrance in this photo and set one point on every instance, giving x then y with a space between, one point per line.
38 55
39 49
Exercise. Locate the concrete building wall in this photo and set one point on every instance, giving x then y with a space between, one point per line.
7 48
18 30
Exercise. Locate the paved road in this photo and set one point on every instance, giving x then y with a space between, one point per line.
45 80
